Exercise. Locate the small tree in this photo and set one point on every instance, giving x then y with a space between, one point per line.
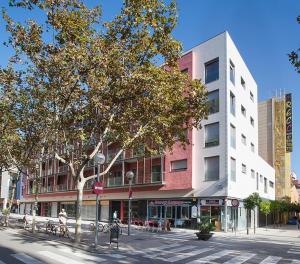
265 208
250 203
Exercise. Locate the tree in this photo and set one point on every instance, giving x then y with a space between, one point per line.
98 84
265 208
250 203
294 55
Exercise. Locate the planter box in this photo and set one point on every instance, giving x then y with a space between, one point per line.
203 236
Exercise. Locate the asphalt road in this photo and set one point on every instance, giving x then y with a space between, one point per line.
145 247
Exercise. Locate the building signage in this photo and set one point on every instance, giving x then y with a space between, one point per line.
98 188
169 203
212 202
288 122
194 211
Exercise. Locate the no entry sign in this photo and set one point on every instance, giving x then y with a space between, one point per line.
98 188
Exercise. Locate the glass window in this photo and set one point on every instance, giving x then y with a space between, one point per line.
257 182
244 139
251 121
178 165
212 168
212 135
156 173
233 169
261 178
169 212
184 212
244 168
265 185
232 72
243 110
212 70
243 83
232 136
115 178
232 103
252 174
252 147
251 96
213 102
271 184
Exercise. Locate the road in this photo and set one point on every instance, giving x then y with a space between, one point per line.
147 247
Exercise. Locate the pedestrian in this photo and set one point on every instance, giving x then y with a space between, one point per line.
115 216
62 217
298 222
25 220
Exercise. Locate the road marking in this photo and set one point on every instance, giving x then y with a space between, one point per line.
1 262
182 256
271 260
150 250
213 256
293 252
59 258
81 254
295 261
26 259
240 259
173 250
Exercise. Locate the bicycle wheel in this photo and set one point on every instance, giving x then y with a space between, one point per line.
92 227
100 228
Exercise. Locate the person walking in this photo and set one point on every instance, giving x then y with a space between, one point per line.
62 217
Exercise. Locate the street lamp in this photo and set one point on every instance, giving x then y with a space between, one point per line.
130 176
99 160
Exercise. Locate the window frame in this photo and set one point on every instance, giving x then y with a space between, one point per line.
206 144
179 169
205 168
244 168
215 60
210 102
232 72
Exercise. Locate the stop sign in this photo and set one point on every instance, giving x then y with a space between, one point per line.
98 188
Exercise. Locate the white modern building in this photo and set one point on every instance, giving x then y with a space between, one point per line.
226 164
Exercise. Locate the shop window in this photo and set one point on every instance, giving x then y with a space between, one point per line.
178 165
169 212
213 102
212 135
212 70
154 212
212 168
184 212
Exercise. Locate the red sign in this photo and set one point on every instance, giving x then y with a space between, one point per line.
98 188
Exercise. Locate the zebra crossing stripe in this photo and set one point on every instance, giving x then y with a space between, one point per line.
213 256
240 259
187 255
59 258
293 252
295 261
1 262
26 259
271 260
150 250
81 254
172 250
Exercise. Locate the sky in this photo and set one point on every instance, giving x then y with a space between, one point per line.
264 31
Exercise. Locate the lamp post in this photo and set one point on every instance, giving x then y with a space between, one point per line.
99 160
129 176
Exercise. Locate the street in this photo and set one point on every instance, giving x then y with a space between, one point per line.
267 247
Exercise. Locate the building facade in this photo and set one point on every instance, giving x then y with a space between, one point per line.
220 165
275 140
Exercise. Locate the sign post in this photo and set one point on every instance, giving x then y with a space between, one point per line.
235 204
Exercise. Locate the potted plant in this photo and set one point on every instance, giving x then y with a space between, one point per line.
205 227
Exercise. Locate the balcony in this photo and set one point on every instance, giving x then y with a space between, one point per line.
61 187
62 169
89 184
50 188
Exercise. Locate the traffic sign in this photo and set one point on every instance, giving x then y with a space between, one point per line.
98 188
235 203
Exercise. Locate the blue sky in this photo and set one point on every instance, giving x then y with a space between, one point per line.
264 32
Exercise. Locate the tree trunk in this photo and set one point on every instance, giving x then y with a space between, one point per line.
78 212
266 221
11 198
247 221
34 213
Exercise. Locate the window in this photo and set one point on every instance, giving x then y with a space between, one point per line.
261 178
271 184
232 103
213 102
212 135
243 83
232 72
244 139
252 147
251 121
212 70
233 169
251 96
244 168
115 178
178 165
265 185
232 136
156 173
252 174
257 182
243 110
212 168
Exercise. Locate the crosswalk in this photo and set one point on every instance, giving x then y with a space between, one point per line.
190 254
63 255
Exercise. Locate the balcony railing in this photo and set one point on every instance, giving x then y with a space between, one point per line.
61 187
50 188
89 184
